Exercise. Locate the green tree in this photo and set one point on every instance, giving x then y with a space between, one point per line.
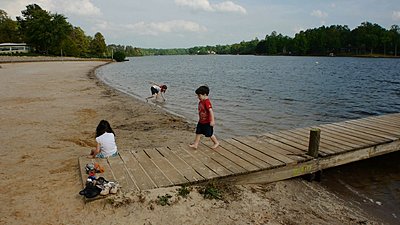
395 37
300 43
77 43
261 47
8 29
367 37
45 32
272 43
60 31
98 45
34 26
119 56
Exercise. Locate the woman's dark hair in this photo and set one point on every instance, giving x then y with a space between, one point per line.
202 90
103 127
163 88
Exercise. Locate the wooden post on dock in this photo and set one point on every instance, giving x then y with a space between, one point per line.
313 144
313 147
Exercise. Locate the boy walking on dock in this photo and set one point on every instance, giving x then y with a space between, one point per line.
206 123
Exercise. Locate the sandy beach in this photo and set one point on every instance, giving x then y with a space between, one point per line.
48 115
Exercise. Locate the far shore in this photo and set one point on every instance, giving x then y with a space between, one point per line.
49 113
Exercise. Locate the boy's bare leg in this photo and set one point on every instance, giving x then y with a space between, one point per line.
216 143
196 141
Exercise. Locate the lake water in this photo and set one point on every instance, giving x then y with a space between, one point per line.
257 94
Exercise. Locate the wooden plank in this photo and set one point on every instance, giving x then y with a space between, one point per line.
207 160
152 169
121 174
268 159
138 174
381 129
299 144
165 166
243 155
276 139
83 160
108 173
362 132
225 162
312 166
392 121
331 139
187 171
389 123
273 151
378 130
294 151
196 164
346 142
344 138
280 148
392 118
363 138
302 137
373 125
247 166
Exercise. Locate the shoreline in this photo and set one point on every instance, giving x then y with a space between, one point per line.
49 114
24 59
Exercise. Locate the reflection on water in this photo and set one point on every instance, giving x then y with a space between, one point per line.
253 95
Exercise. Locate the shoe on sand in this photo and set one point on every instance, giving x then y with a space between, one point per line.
105 189
114 187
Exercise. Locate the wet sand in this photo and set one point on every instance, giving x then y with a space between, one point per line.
48 115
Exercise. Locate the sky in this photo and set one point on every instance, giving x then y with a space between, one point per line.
189 23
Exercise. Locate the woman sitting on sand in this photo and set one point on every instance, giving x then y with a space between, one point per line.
105 138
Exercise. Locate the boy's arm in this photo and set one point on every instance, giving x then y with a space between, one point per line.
212 122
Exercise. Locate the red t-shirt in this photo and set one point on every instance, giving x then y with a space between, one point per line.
204 111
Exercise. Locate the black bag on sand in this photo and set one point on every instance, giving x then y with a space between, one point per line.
90 191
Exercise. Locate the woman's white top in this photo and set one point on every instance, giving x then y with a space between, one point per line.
107 144
157 88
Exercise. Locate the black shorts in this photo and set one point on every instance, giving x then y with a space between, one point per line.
205 129
153 91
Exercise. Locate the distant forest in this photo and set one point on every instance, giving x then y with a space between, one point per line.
51 34
366 39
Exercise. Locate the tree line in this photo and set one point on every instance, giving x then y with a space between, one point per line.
50 34
366 39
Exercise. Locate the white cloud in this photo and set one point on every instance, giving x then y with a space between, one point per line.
396 15
79 7
205 5
195 4
76 7
153 28
229 6
318 13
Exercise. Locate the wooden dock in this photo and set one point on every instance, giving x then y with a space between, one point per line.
252 159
